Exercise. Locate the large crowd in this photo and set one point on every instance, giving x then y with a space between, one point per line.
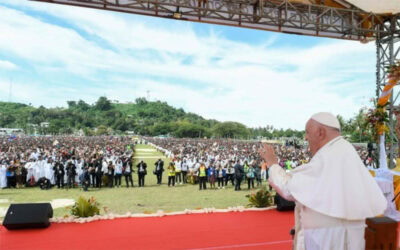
69 162
65 161
223 161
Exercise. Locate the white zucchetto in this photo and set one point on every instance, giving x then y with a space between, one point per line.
327 119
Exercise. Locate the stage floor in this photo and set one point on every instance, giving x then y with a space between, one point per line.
233 230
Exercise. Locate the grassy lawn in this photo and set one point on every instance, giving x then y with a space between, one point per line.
135 200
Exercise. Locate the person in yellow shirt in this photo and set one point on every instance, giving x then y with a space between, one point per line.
202 176
171 174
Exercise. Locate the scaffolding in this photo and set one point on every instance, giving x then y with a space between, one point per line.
387 52
285 16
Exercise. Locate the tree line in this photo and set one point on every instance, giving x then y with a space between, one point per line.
152 118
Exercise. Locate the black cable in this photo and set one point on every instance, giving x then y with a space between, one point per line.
396 196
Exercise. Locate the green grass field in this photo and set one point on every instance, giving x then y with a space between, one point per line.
136 200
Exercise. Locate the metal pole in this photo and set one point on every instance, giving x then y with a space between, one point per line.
391 104
378 84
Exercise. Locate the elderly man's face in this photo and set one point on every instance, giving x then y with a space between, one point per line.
312 136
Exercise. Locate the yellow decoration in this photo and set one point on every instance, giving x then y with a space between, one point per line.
372 173
379 116
396 183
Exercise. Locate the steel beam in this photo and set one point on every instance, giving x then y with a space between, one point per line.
271 15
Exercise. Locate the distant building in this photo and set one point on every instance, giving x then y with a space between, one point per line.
11 131
44 124
79 132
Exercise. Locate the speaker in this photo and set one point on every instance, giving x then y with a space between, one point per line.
28 215
283 204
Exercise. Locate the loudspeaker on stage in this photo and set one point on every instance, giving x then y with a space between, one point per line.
28 215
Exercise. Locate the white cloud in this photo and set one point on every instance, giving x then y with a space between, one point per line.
7 65
254 84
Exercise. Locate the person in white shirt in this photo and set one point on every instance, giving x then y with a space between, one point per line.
104 165
185 169
178 171
196 166
118 173
334 193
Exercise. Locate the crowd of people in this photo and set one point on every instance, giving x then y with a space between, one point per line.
69 162
65 162
214 161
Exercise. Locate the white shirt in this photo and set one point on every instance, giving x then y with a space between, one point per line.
104 167
178 166
118 168
184 166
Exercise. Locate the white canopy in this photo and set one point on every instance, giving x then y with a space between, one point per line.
375 6
378 6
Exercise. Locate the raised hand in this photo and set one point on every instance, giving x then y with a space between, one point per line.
267 153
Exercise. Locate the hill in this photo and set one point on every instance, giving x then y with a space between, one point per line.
142 116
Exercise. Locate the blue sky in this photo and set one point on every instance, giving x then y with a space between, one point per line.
50 54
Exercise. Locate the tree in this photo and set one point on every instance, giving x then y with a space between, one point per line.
141 101
120 124
71 104
189 130
88 132
103 104
342 122
102 130
66 131
6 120
358 127
162 128
230 130
55 127
83 105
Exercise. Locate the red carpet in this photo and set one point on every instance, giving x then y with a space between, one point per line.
246 230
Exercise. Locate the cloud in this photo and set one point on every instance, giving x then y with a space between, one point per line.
7 65
81 53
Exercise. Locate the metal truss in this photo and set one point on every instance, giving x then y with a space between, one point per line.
272 15
387 52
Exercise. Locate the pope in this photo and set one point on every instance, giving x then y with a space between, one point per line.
334 193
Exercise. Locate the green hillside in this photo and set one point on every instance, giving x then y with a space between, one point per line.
141 116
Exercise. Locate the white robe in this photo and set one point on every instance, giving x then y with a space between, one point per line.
334 193
79 170
30 169
3 177
36 170
49 172
42 168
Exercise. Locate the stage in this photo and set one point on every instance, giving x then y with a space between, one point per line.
232 230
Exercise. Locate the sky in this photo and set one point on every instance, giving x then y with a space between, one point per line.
50 54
